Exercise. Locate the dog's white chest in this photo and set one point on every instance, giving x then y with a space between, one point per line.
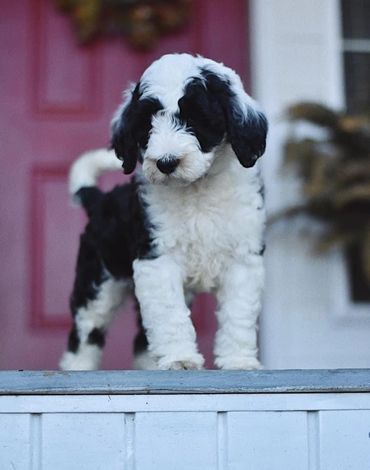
204 245
207 227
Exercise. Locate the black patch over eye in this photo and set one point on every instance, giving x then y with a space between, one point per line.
246 126
202 114
131 128
142 120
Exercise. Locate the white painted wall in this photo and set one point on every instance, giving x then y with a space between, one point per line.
308 320
277 431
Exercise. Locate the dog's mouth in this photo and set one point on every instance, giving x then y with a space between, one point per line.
167 180
178 180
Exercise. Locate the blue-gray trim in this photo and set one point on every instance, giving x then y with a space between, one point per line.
180 382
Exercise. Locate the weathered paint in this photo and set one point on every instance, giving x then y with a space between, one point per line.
165 382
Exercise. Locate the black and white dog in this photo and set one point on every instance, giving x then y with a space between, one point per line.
192 219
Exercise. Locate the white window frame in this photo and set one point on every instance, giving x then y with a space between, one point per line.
344 308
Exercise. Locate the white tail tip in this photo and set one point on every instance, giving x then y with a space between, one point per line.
87 168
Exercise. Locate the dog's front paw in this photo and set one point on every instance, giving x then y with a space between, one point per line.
182 365
238 363
194 362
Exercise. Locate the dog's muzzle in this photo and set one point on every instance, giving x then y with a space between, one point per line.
167 165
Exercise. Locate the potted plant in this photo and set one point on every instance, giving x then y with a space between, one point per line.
333 163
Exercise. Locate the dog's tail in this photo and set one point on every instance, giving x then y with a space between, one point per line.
84 174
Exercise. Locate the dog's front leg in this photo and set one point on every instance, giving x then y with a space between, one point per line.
239 304
166 318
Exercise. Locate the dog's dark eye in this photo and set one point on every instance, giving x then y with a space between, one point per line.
142 121
142 133
203 115
195 109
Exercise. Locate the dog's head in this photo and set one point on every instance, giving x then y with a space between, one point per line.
179 113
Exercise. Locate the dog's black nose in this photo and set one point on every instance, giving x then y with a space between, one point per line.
167 165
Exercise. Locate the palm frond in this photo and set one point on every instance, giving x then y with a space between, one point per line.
335 176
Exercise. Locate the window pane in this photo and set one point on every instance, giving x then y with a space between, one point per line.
357 79
360 288
356 19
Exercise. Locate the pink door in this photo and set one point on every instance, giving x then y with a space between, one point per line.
57 99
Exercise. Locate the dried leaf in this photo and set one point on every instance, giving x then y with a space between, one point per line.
335 177
314 112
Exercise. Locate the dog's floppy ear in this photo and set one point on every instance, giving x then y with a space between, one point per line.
131 126
246 125
247 131
123 141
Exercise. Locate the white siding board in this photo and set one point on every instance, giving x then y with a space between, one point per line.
222 441
129 441
35 441
313 440
83 441
15 447
180 441
345 440
267 441
177 430
191 403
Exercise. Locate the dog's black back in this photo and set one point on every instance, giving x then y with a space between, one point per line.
118 229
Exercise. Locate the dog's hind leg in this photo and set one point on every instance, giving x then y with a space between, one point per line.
95 299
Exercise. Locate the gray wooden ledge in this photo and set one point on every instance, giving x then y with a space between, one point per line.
183 382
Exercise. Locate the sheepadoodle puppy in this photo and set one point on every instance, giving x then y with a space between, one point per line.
191 219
